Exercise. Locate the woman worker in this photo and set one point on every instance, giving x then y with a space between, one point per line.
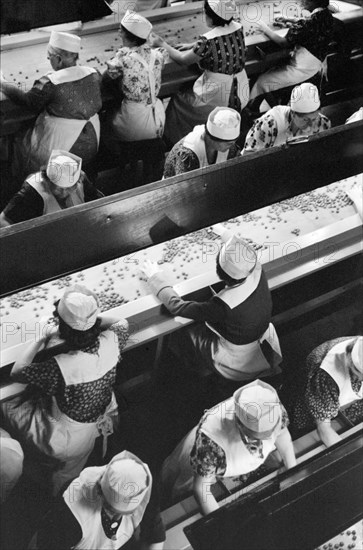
281 123
234 337
310 39
136 72
77 402
207 144
333 378
221 53
61 185
102 508
68 100
232 439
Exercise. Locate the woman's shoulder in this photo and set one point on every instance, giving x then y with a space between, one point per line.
122 53
120 329
318 353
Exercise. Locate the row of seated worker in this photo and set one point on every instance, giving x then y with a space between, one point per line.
70 403
69 98
63 184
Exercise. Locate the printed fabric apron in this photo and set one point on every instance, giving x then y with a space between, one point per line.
51 204
334 364
210 90
219 425
247 361
302 66
83 500
137 121
62 444
52 132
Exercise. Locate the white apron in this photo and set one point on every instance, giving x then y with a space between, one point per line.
51 132
334 364
214 89
302 66
84 501
136 121
51 204
85 504
219 425
195 142
247 361
43 426
210 90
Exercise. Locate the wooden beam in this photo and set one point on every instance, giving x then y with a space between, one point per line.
51 246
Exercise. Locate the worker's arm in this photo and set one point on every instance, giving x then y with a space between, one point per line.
108 320
187 57
4 221
286 449
326 432
25 358
13 92
39 95
209 311
272 35
203 494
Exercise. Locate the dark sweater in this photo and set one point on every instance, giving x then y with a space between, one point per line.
242 325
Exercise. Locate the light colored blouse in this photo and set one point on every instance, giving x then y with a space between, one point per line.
133 77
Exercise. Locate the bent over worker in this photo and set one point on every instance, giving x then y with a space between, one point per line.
233 438
136 72
300 119
221 53
76 402
210 143
310 38
61 185
234 336
103 508
333 379
67 100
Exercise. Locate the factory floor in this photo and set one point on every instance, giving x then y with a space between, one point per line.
157 413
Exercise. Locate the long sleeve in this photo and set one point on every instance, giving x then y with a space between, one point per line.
199 311
240 325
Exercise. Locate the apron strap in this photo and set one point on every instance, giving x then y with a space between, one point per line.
152 84
105 422
149 67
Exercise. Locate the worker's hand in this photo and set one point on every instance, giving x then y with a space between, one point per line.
218 229
50 330
285 22
184 47
150 268
279 22
261 25
156 41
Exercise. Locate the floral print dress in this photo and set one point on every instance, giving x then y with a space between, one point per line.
266 132
318 398
136 72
